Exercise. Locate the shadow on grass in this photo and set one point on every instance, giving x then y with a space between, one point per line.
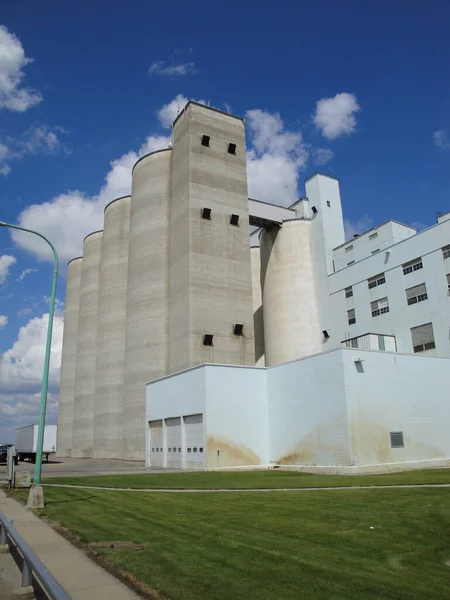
69 500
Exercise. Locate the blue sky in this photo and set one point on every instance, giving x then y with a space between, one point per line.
359 90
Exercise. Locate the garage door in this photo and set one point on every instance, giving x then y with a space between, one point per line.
156 444
173 443
194 445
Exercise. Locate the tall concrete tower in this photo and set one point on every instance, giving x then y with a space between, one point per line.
69 358
210 298
109 382
146 328
83 409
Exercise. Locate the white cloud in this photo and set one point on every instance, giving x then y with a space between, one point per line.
59 305
36 140
359 226
441 140
69 217
336 116
21 366
274 159
159 67
169 112
322 156
6 261
3 321
24 312
26 272
12 60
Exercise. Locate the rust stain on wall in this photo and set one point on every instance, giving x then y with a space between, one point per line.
324 444
223 453
370 444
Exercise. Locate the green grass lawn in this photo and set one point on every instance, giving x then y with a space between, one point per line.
264 546
253 479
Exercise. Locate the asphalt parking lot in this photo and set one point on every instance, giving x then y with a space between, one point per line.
80 467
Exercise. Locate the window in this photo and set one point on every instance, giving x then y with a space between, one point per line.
231 148
205 140
413 265
354 342
422 337
200 449
416 294
377 280
373 236
234 220
381 343
238 329
397 439
314 209
208 339
375 251
446 252
206 214
328 203
352 262
379 307
174 449
349 248
169 449
448 282
189 450
349 292
351 316
195 449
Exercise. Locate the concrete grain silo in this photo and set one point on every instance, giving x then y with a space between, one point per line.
68 358
83 410
108 408
291 318
258 318
146 335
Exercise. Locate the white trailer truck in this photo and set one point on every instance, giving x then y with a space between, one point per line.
26 442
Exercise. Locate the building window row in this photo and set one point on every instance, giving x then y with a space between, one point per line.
348 292
373 236
416 294
376 280
351 316
379 307
206 214
422 337
413 265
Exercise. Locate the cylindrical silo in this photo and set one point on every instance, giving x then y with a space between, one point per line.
108 407
146 338
83 410
258 319
291 318
68 358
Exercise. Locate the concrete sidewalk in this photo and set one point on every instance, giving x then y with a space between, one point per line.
81 578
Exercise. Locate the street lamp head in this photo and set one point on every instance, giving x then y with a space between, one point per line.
2 224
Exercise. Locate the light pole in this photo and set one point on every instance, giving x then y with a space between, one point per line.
36 497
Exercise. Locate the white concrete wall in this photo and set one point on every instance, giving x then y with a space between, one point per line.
395 392
233 401
366 244
327 232
307 412
401 317
236 417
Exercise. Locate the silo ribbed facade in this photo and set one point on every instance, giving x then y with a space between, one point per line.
291 319
146 331
83 412
109 383
68 358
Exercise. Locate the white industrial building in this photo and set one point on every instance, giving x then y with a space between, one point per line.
191 344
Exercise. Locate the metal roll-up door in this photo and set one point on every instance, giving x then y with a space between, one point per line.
173 443
156 447
194 442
